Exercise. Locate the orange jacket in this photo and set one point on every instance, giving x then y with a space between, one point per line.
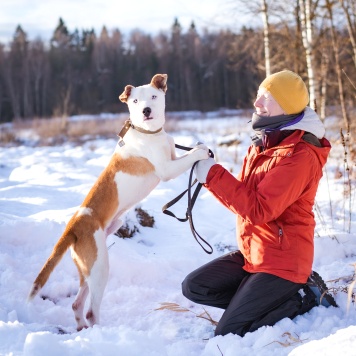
273 198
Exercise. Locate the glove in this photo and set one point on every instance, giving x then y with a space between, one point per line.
202 169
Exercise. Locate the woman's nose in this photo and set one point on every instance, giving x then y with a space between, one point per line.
257 103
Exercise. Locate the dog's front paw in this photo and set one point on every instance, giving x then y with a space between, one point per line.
200 152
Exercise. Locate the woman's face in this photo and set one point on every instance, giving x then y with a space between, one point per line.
266 105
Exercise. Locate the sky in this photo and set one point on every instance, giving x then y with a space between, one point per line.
42 186
40 17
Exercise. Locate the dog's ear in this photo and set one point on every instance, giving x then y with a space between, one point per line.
159 81
126 93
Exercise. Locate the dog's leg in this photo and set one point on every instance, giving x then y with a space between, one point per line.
78 306
98 278
79 302
172 168
169 166
114 226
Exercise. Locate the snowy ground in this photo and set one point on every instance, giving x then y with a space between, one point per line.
40 189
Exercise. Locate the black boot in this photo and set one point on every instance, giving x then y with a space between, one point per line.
317 287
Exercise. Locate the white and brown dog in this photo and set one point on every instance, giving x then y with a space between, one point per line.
141 159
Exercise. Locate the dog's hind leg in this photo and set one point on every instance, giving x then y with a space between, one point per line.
79 302
98 278
78 306
114 226
84 254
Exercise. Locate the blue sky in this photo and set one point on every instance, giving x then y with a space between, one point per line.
39 17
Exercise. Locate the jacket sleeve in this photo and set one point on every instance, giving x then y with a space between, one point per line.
280 187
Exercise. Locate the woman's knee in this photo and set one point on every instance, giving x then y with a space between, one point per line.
192 290
187 288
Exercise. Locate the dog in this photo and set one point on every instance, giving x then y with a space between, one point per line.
144 156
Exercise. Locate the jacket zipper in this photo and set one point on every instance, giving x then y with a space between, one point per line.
280 234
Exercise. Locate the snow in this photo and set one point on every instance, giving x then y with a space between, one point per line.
40 189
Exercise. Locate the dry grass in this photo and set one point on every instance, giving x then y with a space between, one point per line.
344 284
53 131
57 130
289 340
177 308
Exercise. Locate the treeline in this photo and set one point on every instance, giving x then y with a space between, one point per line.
81 72
84 72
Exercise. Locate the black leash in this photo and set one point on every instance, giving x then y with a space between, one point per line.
191 202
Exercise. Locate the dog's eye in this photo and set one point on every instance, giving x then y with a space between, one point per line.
154 96
135 101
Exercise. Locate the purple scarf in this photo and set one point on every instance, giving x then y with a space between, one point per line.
264 126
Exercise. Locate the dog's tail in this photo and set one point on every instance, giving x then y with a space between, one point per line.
67 239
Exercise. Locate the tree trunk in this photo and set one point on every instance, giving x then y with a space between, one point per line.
13 92
307 36
346 118
266 37
350 29
323 75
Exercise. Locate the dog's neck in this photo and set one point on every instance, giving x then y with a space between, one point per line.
128 124
140 129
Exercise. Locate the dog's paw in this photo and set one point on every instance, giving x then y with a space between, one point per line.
202 146
200 152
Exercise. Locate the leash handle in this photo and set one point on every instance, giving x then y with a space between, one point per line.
175 200
191 202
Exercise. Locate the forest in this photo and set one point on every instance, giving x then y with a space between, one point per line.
83 72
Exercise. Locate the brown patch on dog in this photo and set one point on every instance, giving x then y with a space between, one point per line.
103 201
85 249
126 93
81 275
135 166
105 191
159 81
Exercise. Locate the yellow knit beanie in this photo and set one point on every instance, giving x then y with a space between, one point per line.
288 89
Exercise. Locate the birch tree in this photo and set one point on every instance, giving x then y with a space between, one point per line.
329 6
260 7
264 11
346 5
307 37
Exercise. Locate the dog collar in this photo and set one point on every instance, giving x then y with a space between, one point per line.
126 128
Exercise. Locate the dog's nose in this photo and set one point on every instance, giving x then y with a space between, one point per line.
147 111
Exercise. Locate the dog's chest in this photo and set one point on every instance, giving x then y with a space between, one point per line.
134 177
155 148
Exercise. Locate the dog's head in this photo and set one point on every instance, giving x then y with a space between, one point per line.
147 103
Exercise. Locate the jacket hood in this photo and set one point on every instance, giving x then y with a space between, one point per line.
291 141
309 123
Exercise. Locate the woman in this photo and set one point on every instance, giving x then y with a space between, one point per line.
273 198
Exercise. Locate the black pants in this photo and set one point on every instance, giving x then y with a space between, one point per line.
250 300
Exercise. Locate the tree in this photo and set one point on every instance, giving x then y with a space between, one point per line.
306 18
17 74
176 65
346 6
4 112
39 69
60 59
264 11
329 6
82 73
